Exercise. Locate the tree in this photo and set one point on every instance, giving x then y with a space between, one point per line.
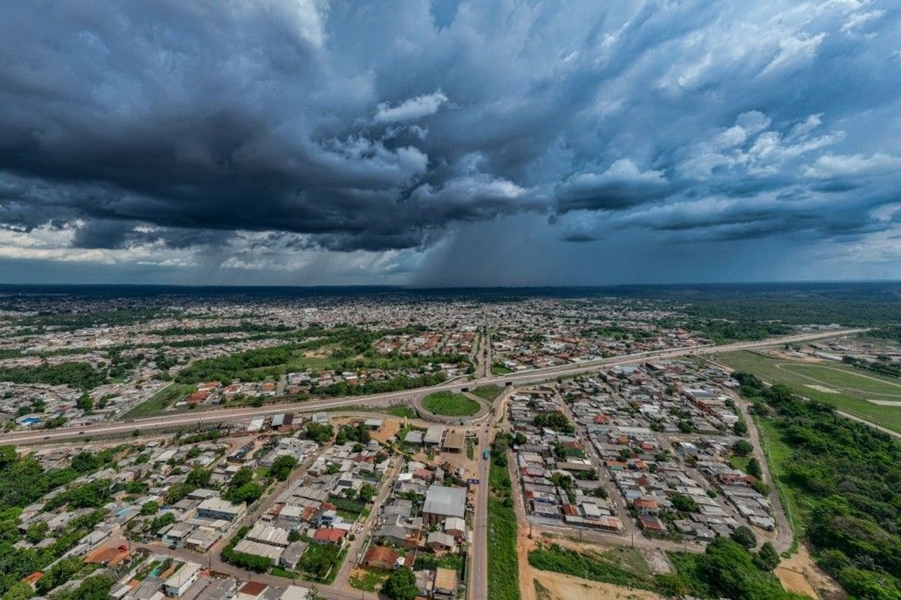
282 466
367 491
85 462
293 535
162 520
684 503
754 469
84 402
743 536
149 508
242 477
37 531
177 491
20 591
767 558
199 477
740 428
742 448
249 493
7 455
401 585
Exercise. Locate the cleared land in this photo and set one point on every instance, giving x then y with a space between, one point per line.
450 404
850 390
160 401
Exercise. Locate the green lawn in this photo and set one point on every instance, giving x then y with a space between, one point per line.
488 392
852 387
161 400
450 404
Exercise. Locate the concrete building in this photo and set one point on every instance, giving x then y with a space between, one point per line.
184 578
442 502
217 508
433 435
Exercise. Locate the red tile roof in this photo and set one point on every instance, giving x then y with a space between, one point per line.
331 536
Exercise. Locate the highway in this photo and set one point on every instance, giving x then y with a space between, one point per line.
207 417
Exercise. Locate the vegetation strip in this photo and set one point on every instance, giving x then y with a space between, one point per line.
503 564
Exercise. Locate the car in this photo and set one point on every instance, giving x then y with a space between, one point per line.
123 548
81 433
46 437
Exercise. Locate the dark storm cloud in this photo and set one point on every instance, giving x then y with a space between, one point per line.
382 125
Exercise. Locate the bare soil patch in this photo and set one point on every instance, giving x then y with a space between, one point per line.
388 430
801 575
557 586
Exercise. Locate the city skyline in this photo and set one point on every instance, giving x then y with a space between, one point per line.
451 144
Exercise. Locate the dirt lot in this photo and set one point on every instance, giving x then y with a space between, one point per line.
388 430
801 575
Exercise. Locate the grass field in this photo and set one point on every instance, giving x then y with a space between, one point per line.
488 392
161 400
503 570
842 386
450 404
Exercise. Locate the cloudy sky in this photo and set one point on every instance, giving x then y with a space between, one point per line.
304 142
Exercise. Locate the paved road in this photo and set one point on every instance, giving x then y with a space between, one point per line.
532 376
353 553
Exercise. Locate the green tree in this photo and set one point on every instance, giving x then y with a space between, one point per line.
199 477
149 508
401 585
84 402
20 591
161 521
744 537
249 493
37 531
7 455
754 469
367 492
177 491
242 477
684 503
767 558
740 428
742 448
85 462
282 466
